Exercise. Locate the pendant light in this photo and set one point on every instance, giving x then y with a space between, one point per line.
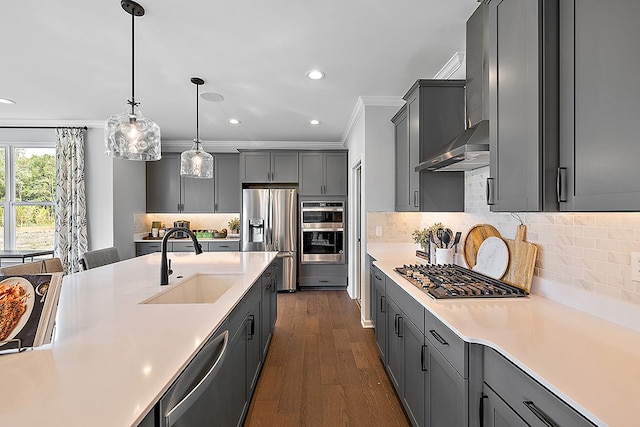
196 163
130 135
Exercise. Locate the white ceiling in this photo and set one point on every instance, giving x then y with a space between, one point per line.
69 61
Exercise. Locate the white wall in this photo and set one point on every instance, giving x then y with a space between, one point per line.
98 169
370 141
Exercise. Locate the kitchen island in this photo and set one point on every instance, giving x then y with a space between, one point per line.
112 357
589 363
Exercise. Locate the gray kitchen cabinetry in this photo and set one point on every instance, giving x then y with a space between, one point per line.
269 307
379 310
144 248
323 173
168 192
228 396
523 105
528 399
599 105
186 245
269 166
222 246
227 183
432 116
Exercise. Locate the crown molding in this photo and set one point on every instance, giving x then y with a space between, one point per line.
234 146
369 101
17 123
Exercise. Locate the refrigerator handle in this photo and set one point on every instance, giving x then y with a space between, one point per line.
268 237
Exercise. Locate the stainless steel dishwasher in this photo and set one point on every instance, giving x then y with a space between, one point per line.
186 403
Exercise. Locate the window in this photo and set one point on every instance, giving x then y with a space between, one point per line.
27 196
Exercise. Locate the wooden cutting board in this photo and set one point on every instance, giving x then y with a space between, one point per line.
522 260
476 235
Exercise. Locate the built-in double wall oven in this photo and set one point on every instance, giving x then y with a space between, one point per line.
322 232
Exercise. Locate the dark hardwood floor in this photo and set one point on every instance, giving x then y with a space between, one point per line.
323 368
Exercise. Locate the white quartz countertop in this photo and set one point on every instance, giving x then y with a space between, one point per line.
592 364
112 358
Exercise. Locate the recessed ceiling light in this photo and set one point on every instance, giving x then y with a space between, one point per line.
6 101
234 121
314 122
212 96
315 75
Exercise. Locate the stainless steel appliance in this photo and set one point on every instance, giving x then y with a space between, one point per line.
181 224
269 223
453 281
322 232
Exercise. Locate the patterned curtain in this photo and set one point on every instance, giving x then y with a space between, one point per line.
71 209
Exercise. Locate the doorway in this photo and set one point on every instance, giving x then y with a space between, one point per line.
357 226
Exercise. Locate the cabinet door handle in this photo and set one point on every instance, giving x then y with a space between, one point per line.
382 304
481 409
415 199
399 326
540 414
423 358
377 277
395 324
177 411
561 185
251 321
490 192
438 337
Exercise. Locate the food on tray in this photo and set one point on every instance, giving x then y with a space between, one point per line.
13 304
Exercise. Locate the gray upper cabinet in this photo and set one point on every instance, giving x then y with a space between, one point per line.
227 183
599 102
323 173
432 116
523 104
168 192
163 184
269 166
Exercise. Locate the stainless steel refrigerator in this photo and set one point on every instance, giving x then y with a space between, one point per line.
269 223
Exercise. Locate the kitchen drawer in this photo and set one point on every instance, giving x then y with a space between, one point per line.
322 281
223 246
526 396
452 347
409 306
144 248
186 246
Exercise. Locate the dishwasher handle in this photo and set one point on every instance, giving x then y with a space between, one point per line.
189 396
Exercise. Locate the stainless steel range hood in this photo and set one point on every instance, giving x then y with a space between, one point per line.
470 149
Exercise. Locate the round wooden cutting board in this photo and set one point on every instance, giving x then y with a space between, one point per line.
476 235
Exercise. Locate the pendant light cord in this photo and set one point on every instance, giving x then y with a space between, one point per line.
133 47
197 116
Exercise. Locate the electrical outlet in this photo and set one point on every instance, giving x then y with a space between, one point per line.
635 266
379 231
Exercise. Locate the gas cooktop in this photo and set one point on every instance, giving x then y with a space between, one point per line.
453 281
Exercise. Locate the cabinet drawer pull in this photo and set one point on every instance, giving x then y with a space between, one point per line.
423 358
438 337
561 185
224 246
382 304
540 414
378 277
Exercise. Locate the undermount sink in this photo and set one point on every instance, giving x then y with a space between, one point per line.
197 289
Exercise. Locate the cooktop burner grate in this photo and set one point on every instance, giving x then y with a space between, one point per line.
453 281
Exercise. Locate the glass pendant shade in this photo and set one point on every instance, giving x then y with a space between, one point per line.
131 136
196 163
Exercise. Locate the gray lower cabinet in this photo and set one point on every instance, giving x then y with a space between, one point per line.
532 402
432 116
144 248
269 166
414 394
379 311
269 308
446 397
394 359
225 401
496 412
523 101
599 105
323 173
